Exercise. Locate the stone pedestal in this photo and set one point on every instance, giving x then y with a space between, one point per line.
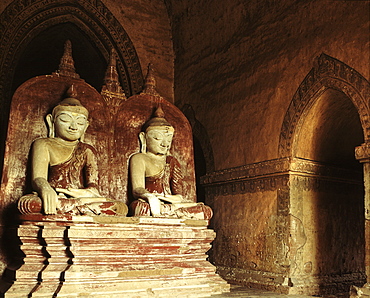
115 257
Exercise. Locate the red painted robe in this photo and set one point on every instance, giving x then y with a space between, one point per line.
168 181
79 171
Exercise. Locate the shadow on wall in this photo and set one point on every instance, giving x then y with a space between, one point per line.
203 154
332 204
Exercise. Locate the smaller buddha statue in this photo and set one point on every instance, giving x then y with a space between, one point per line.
64 169
156 176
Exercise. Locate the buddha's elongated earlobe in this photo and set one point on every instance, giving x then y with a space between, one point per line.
83 135
50 123
142 142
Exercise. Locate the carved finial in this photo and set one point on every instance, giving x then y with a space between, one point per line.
150 84
72 92
159 112
112 91
111 82
157 119
113 60
67 65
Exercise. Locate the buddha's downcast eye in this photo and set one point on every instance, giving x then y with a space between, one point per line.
65 118
81 121
156 135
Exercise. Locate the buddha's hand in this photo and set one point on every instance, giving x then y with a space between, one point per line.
49 198
47 194
171 198
79 192
154 203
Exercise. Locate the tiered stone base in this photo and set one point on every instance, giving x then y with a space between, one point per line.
115 257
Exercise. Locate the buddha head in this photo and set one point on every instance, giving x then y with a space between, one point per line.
68 120
156 135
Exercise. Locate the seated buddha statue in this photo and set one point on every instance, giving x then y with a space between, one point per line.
156 176
64 169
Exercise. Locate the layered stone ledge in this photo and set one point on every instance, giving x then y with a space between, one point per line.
114 256
273 169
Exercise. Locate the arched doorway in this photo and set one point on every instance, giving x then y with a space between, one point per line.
330 131
325 122
332 210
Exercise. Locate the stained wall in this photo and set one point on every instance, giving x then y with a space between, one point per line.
241 72
148 25
240 75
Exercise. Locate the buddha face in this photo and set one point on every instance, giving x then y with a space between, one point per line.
70 126
159 139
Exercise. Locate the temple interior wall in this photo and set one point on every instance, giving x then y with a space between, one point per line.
241 73
240 76
233 248
238 64
321 238
148 26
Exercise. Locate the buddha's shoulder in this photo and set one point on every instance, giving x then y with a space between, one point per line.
43 142
138 156
141 157
55 142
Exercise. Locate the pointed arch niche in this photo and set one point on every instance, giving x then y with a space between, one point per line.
32 35
328 190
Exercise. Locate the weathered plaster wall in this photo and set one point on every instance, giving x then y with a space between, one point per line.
331 217
4 4
147 24
239 64
248 240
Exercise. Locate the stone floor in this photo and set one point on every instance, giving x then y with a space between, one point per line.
238 291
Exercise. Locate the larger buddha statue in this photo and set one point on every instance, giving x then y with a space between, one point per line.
156 176
64 169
